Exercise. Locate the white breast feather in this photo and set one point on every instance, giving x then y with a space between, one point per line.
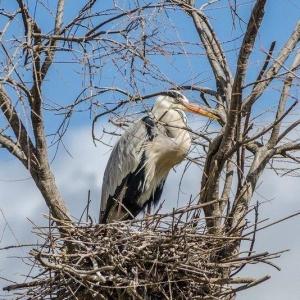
162 154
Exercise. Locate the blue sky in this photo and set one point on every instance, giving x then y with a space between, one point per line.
83 170
67 78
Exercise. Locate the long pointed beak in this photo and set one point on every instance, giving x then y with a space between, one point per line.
194 108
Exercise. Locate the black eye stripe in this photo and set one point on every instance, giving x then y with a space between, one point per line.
176 95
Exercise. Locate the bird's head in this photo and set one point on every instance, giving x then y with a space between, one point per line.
173 99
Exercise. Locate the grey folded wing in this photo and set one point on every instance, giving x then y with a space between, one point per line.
125 158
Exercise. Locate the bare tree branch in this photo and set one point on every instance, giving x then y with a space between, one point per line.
227 185
213 50
244 194
242 63
282 102
13 148
16 124
288 129
266 63
288 147
271 126
59 16
215 160
274 69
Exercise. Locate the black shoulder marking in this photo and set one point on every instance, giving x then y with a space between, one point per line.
150 126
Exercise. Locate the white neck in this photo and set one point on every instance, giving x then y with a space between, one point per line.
174 122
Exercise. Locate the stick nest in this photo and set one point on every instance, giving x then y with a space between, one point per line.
160 257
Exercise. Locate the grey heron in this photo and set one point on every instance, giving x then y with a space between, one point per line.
142 158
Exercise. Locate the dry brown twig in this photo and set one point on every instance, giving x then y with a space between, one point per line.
158 257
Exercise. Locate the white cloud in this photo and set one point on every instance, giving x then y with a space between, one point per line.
284 200
76 175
